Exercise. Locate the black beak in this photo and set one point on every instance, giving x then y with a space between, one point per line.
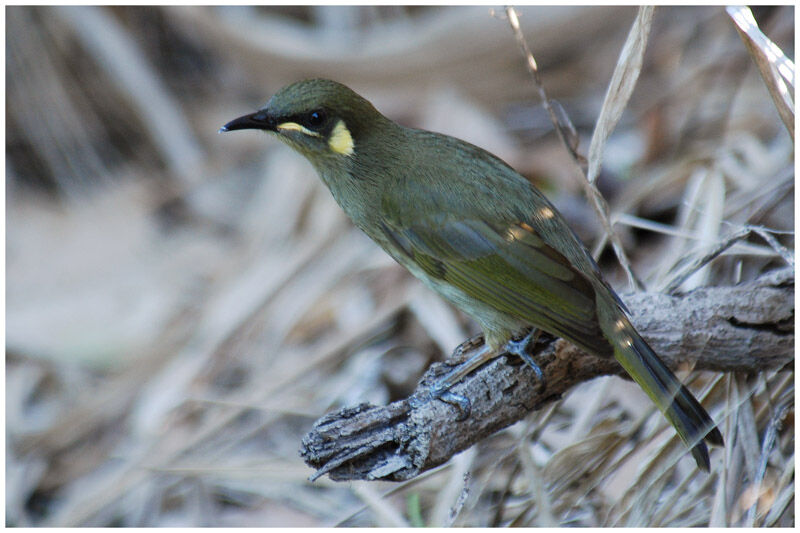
259 120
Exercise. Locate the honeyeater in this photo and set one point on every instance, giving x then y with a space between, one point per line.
474 230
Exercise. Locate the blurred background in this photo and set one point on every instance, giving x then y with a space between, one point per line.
181 306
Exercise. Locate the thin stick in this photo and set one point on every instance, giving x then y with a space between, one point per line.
743 233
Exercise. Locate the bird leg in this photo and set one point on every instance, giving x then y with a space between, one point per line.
441 389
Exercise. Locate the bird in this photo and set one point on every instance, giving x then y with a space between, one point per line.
477 232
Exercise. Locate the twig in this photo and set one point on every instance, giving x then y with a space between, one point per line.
605 125
513 19
743 233
745 328
766 234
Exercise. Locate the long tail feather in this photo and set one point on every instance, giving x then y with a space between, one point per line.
693 424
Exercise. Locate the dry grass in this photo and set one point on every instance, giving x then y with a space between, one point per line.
182 306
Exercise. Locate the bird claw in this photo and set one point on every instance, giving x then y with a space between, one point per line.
461 403
520 348
439 391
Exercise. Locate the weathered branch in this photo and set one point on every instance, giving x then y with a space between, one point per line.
744 328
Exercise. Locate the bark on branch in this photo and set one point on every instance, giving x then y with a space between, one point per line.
744 328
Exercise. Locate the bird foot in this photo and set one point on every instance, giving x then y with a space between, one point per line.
439 391
520 347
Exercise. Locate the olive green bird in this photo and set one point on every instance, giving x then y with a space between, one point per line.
475 231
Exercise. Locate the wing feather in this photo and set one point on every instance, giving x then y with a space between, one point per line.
509 268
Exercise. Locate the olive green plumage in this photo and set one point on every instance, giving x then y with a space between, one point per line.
474 230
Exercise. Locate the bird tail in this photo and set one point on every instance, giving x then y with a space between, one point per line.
693 424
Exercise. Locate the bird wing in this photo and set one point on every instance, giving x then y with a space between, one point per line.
508 267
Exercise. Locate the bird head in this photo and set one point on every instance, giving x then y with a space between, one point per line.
321 119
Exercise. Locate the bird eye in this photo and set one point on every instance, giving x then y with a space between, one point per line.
315 119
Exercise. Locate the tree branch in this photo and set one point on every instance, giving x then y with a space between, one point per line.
744 328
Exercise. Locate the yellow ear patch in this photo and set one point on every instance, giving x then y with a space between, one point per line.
341 141
294 126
